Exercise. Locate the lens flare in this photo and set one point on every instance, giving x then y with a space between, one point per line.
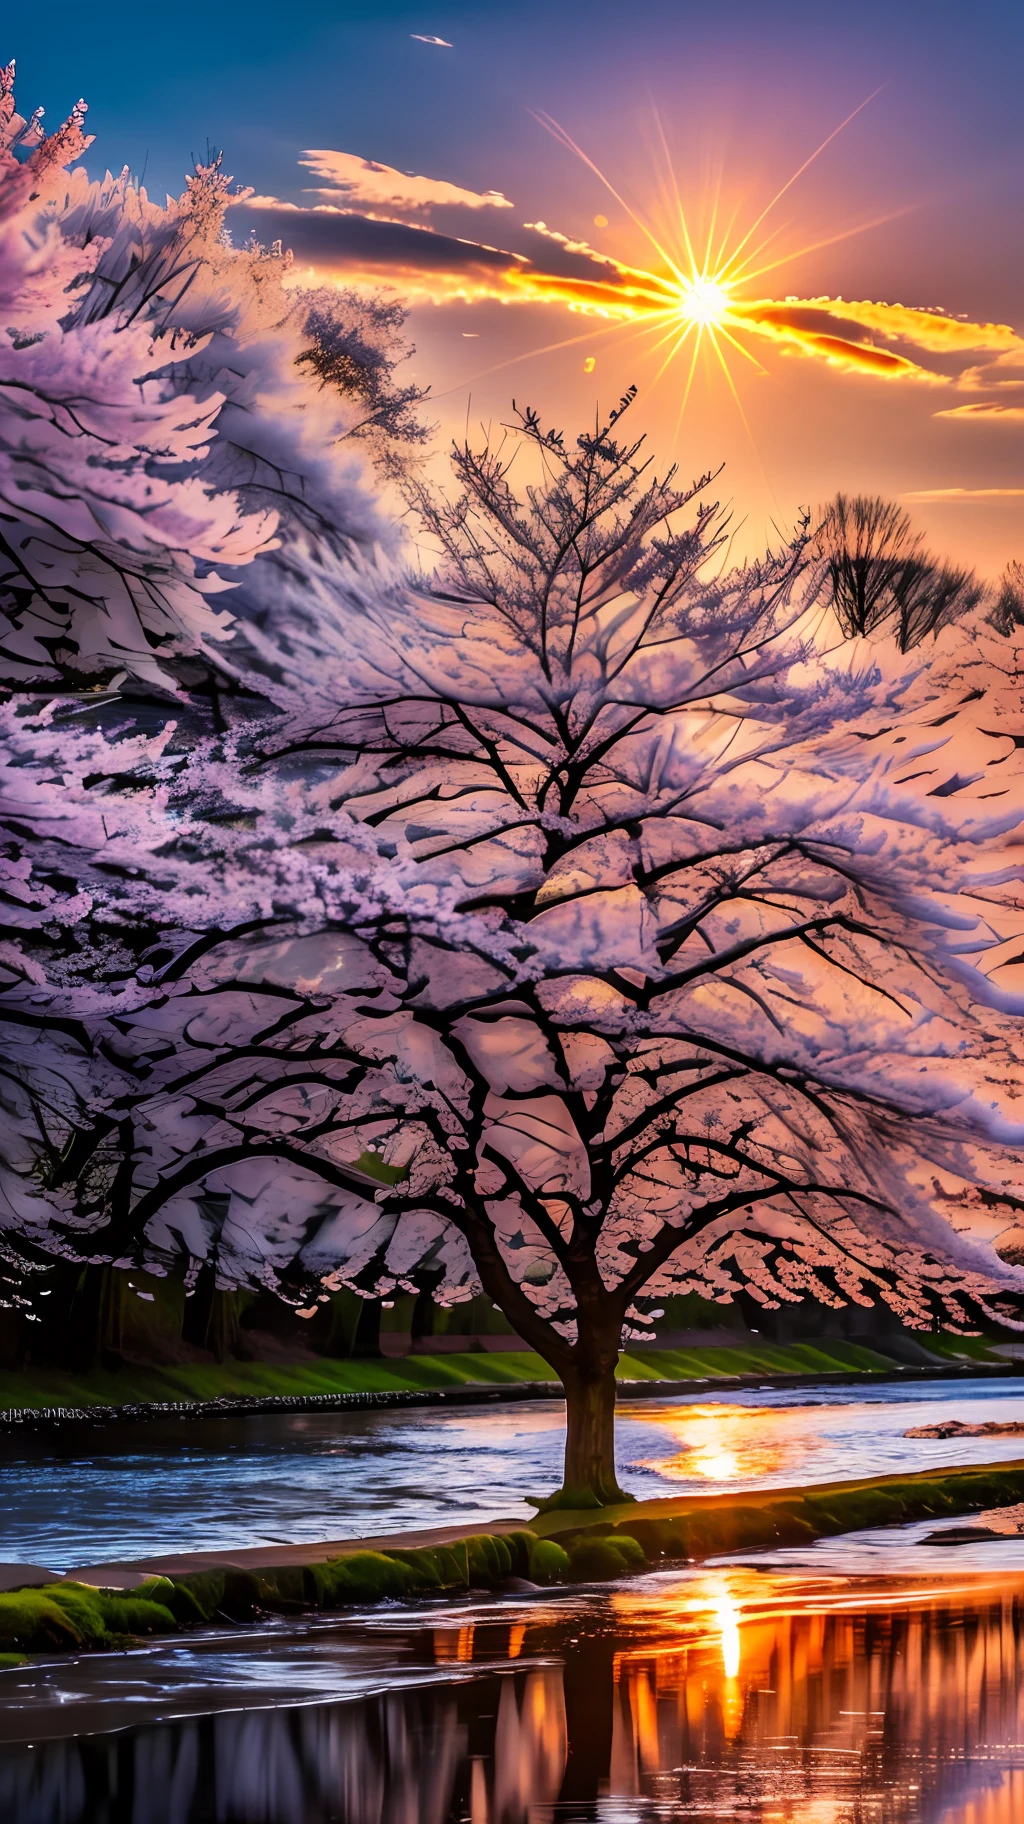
704 301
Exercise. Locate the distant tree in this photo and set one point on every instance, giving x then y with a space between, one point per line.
1008 613
573 930
928 596
867 543
879 574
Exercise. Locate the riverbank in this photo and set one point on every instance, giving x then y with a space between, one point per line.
40 1398
95 1607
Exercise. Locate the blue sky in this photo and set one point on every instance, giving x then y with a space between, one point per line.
745 93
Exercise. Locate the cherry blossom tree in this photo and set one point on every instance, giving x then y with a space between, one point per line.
580 918
587 924
170 408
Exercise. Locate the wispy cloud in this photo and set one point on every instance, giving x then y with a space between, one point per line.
846 333
984 409
964 494
359 183
929 330
426 38
437 267
342 244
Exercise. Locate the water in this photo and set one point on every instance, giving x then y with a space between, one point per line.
874 1679
775 1697
105 1493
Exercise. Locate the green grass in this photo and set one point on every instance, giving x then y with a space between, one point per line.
967 1348
753 1358
209 1381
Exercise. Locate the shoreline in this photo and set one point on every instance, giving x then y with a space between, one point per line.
838 1497
42 1418
103 1606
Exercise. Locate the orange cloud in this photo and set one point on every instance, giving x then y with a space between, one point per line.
344 238
984 408
929 330
793 324
631 295
360 183
955 494
340 243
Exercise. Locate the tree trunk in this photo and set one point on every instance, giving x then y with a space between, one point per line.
590 1479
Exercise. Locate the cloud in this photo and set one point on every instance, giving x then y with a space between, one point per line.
345 238
337 242
984 408
929 330
838 330
425 38
439 267
360 183
809 328
955 494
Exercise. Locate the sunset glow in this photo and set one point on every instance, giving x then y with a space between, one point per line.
701 302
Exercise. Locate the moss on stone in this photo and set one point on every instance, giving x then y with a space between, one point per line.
549 1562
367 1577
660 1538
594 1559
131 1615
488 1565
427 1569
520 1545
182 1602
67 1616
629 1549
206 1589
31 1619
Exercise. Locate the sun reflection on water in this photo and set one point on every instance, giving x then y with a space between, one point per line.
728 1613
726 1444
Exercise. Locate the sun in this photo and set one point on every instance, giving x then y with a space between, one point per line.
703 302
697 301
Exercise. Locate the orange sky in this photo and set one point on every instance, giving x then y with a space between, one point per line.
383 156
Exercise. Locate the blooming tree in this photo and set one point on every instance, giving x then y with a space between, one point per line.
587 923
579 928
170 408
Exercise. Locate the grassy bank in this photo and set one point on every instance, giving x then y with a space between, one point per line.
326 1376
66 1616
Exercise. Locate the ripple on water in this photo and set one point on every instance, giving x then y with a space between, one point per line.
128 1491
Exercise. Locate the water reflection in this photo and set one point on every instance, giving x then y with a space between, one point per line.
718 1696
95 1493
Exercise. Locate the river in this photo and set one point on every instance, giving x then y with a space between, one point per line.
97 1493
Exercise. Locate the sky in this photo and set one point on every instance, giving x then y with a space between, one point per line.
525 182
